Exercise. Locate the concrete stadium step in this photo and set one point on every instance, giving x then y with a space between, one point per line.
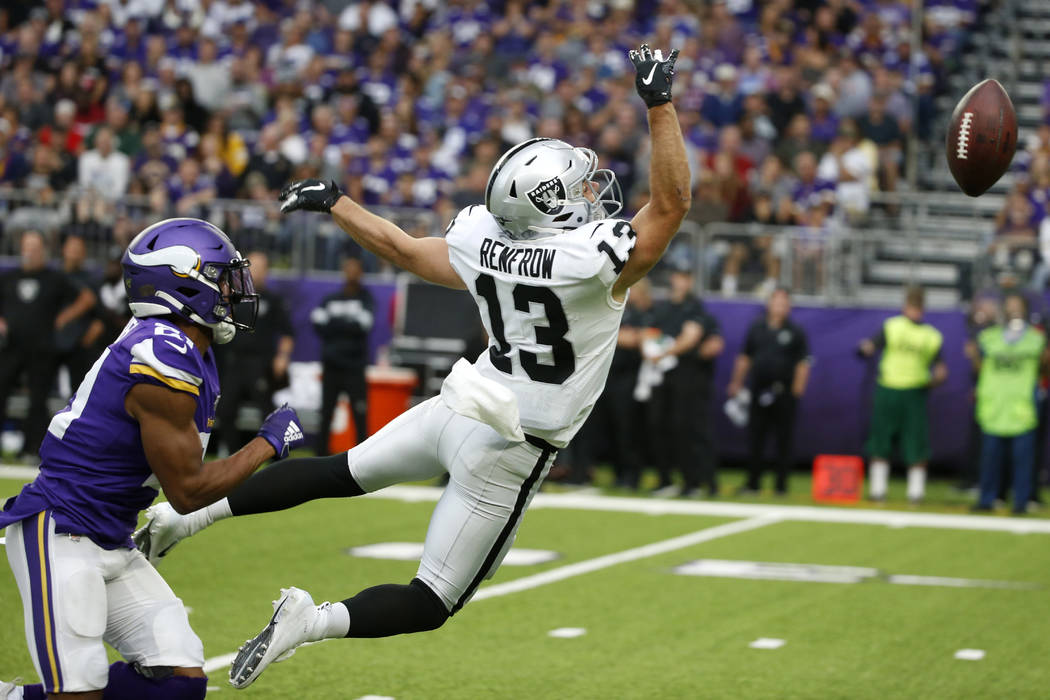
1027 89
890 296
956 203
926 273
1035 49
941 179
1029 114
952 250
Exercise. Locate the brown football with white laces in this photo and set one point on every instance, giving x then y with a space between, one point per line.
982 137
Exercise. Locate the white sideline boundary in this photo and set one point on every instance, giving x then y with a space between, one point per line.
724 509
894 518
719 509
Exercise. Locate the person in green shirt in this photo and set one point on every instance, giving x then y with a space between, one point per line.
1008 358
910 365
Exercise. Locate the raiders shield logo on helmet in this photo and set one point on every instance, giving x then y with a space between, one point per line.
548 195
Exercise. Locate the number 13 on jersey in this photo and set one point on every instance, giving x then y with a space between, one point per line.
551 335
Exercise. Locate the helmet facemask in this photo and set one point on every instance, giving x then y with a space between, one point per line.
238 304
606 199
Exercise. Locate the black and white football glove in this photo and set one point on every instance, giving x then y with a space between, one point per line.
310 195
653 74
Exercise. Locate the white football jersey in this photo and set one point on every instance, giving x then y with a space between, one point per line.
548 309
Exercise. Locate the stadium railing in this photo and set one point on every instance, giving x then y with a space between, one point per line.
937 239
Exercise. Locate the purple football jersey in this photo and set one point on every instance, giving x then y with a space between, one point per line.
94 476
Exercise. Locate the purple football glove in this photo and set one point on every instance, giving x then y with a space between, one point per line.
283 430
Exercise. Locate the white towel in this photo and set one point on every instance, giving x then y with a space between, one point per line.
469 394
651 373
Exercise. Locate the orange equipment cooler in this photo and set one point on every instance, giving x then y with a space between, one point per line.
389 393
838 478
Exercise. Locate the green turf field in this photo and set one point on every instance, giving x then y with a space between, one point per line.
650 633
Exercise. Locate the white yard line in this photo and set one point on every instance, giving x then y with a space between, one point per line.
647 550
217 662
13 471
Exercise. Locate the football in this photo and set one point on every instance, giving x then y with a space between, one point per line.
982 137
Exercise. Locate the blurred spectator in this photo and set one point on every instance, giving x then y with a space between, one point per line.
626 418
1015 249
850 163
882 129
104 171
255 365
732 168
126 135
268 161
344 321
798 139
679 414
854 87
1009 358
810 191
189 190
112 308
209 76
76 341
35 303
775 362
785 102
824 123
724 105
911 364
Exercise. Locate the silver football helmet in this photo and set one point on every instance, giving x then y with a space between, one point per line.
545 186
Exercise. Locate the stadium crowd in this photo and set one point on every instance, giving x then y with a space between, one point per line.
117 113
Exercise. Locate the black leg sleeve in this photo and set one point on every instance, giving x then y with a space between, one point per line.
383 611
292 482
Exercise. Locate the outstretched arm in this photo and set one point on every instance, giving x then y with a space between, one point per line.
670 196
173 447
425 257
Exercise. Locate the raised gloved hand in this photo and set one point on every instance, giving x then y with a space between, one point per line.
653 74
283 430
310 195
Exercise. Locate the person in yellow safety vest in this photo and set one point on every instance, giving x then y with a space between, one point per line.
1009 358
911 364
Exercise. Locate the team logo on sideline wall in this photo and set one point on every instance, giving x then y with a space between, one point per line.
548 195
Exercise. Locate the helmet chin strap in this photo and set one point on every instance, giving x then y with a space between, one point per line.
223 332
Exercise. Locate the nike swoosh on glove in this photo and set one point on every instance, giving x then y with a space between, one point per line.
283 430
653 74
310 195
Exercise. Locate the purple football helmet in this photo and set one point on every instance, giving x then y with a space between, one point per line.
190 268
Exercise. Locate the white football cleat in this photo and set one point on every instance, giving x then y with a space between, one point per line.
11 690
163 530
294 617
